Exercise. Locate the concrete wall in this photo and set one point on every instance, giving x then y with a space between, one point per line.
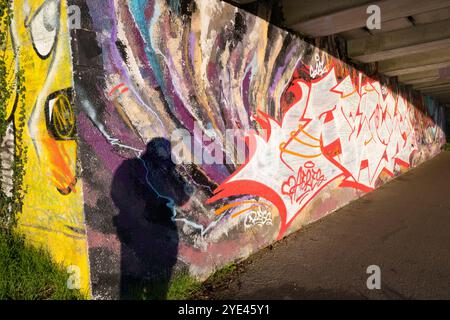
319 134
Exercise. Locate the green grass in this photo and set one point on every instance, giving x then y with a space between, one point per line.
222 273
182 286
447 146
28 273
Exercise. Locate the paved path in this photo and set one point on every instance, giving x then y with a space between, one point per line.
403 227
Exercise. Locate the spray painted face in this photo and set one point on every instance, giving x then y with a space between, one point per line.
42 45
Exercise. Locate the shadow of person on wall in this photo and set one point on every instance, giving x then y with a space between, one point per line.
145 189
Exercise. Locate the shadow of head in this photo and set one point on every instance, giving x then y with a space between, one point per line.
151 185
164 179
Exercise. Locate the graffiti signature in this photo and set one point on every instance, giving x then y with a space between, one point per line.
319 68
307 180
259 216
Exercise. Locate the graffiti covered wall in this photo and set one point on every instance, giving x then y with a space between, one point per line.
139 137
323 134
38 44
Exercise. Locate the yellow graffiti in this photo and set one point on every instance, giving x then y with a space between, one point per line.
301 155
52 214
64 117
294 136
234 215
238 203
302 129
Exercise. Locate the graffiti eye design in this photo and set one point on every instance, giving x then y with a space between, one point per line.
44 27
60 116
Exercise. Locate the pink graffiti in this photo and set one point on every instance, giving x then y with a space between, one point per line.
308 179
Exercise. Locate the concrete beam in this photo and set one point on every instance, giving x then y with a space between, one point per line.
440 96
419 77
432 16
295 11
391 25
356 17
422 81
354 34
422 78
432 84
243 1
440 89
388 45
418 62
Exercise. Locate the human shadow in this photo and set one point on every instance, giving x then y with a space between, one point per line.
145 189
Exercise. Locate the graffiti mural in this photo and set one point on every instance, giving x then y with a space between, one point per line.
322 134
52 214
335 130
114 104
